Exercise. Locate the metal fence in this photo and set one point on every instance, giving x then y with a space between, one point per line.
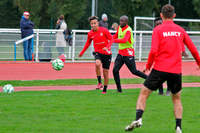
45 44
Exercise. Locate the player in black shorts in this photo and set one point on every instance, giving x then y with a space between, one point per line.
157 22
165 55
101 38
105 59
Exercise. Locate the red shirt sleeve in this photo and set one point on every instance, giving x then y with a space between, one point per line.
183 48
110 38
115 36
87 44
190 45
154 49
125 39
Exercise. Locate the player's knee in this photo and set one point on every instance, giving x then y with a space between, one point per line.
176 96
98 64
145 91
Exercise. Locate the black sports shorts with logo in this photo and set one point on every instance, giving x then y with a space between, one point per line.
105 59
157 78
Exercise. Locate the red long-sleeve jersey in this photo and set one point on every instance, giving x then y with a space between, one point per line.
101 38
168 41
127 37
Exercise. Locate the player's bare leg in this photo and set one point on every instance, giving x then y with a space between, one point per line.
98 73
178 110
106 79
140 107
144 94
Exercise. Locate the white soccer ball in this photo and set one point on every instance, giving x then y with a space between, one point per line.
8 88
57 64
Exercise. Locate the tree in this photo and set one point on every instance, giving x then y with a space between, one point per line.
9 14
133 8
73 10
32 6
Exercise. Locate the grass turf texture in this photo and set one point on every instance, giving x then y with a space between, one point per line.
92 112
64 82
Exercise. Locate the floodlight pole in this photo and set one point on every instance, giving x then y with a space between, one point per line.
94 7
170 2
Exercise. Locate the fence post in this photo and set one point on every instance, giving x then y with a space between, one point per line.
73 46
32 43
140 48
70 52
135 29
15 50
37 46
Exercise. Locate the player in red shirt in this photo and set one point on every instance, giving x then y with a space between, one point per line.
165 54
157 22
126 55
101 38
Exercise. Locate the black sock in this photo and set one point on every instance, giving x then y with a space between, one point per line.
160 89
105 88
139 113
99 79
178 123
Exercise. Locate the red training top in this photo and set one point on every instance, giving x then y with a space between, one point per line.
101 38
168 40
127 37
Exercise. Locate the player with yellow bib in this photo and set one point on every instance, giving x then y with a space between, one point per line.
124 37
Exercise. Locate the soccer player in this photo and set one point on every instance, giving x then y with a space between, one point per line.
165 53
157 22
101 38
124 36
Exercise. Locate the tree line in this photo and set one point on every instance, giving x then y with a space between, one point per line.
44 13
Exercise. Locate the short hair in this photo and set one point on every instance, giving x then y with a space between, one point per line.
93 18
168 11
125 17
61 17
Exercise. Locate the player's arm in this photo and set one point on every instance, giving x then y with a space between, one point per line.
115 36
125 39
153 51
110 38
190 45
183 51
26 25
87 44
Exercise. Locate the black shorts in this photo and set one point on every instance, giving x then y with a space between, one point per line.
105 59
157 78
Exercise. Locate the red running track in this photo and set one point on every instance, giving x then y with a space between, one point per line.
44 71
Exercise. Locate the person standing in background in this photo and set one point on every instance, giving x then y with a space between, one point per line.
104 21
26 27
114 47
60 38
114 26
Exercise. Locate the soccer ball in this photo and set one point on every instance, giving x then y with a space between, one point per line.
57 64
8 88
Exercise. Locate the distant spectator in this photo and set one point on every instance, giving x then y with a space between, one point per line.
103 22
26 30
157 21
114 47
114 26
60 38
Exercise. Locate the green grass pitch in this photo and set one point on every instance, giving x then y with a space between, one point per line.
92 112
